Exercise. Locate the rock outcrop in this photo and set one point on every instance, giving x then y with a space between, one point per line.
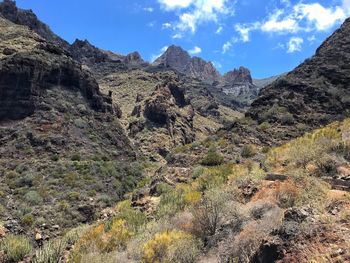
239 83
200 69
315 93
35 66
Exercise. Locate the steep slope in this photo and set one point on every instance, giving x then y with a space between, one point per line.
315 93
9 10
64 154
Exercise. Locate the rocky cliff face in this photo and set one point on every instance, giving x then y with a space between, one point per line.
316 92
200 69
239 83
55 124
29 66
9 10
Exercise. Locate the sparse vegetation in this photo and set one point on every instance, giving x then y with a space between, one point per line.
15 248
213 158
248 151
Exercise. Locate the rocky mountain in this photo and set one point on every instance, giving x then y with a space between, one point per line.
237 84
315 93
10 11
174 58
178 59
60 137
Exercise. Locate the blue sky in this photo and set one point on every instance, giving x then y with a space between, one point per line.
267 36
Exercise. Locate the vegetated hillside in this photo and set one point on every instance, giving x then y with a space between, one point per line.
271 206
162 110
64 154
9 10
315 93
213 194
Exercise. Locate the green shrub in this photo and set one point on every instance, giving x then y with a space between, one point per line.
15 248
264 126
27 220
197 172
287 119
51 252
55 157
213 158
248 151
33 198
76 157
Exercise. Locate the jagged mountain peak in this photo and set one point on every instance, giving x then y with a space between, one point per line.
174 57
239 75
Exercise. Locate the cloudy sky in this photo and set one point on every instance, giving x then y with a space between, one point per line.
267 36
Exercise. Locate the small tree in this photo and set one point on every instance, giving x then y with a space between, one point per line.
208 213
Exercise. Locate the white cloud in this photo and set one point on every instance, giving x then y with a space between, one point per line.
244 30
166 25
308 18
277 23
318 16
177 36
195 12
226 47
196 50
148 9
162 50
173 4
346 7
294 44
220 28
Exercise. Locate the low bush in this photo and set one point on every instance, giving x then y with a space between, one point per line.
33 198
213 158
248 151
171 246
27 220
50 252
326 166
15 248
